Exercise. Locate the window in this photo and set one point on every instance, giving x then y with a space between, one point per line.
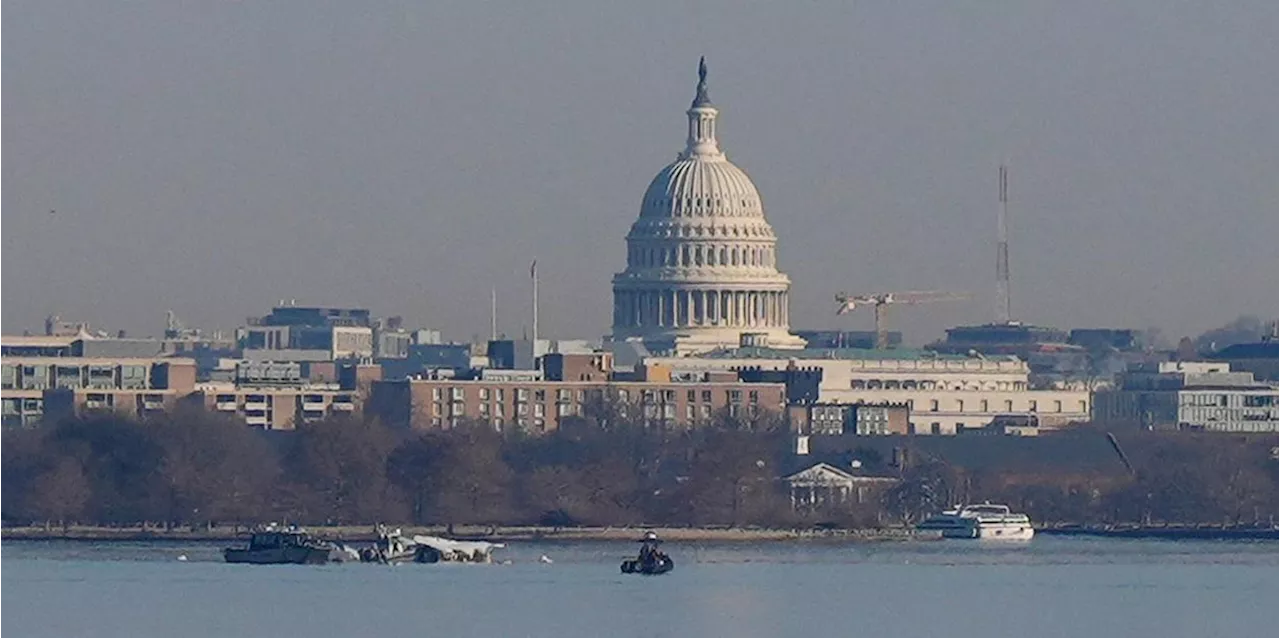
933 405
647 396
706 396
735 396
1084 406
668 411
692 396
753 397
1008 405
1057 406
563 395
539 410
522 409
705 411
499 409
959 405
1032 407
500 394
689 411
982 406
459 408
484 394
733 410
484 409
435 394
522 394
935 428
624 396
539 395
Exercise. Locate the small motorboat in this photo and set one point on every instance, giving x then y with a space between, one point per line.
651 561
275 546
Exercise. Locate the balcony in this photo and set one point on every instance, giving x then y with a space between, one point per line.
225 406
342 407
256 420
255 405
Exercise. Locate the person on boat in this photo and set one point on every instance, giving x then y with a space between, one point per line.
649 553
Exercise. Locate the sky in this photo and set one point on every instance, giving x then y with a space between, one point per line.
212 158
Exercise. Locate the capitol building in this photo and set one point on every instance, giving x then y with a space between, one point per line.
701 259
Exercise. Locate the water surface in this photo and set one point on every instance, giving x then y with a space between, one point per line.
1052 586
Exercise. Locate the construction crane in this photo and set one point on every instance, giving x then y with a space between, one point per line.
881 301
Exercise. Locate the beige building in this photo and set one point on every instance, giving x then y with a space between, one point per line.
35 386
273 407
944 393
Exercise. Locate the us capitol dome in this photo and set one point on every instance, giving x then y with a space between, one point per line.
701 259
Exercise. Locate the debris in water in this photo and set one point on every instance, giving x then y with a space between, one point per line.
182 557
545 559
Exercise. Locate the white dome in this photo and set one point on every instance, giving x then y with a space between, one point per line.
700 186
701 269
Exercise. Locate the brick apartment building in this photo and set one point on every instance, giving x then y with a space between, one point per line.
572 385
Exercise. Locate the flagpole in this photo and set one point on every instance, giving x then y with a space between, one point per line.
493 314
533 273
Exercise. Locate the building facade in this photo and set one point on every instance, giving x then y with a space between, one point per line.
540 405
35 387
701 259
944 393
1190 396
861 419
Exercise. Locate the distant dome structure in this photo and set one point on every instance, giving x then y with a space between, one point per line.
701 258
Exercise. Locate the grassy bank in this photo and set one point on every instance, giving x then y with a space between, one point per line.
497 533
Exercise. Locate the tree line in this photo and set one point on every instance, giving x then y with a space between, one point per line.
192 467
1176 479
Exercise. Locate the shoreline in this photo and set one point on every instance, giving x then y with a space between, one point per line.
365 533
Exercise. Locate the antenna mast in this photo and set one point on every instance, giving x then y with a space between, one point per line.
533 274
493 314
1002 251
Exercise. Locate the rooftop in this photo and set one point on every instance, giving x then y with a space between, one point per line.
846 354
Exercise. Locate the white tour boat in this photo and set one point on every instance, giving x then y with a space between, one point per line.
985 521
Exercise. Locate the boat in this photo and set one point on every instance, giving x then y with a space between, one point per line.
651 561
984 521
272 545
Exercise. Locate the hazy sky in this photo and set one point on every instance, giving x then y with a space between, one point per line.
214 157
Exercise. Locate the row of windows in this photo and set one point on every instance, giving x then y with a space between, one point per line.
984 405
31 377
537 410
699 256
500 394
959 386
456 394
459 409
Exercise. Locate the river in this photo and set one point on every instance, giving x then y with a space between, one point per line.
1052 586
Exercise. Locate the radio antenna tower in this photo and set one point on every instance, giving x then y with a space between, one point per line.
1002 250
